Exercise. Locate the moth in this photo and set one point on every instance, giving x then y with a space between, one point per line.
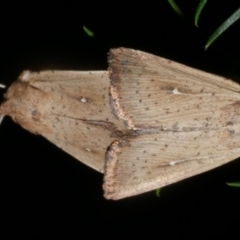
145 123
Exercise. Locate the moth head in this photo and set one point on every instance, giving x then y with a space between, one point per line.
22 105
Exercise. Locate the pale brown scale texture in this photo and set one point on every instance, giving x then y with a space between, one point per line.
188 122
49 103
145 123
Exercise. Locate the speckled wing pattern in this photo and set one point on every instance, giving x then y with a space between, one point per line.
185 121
145 123
69 108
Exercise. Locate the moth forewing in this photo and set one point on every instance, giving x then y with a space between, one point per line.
187 122
69 108
154 160
150 91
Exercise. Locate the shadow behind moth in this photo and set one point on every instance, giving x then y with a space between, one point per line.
145 123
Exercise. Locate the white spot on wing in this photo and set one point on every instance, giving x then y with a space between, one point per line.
172 163
83 100
175 91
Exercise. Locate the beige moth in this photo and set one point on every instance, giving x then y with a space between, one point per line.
145 123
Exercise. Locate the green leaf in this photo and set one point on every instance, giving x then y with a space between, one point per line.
88 32
157 191
176 8
233 18
234 184
200 7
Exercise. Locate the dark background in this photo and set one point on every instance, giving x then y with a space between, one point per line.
40 185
